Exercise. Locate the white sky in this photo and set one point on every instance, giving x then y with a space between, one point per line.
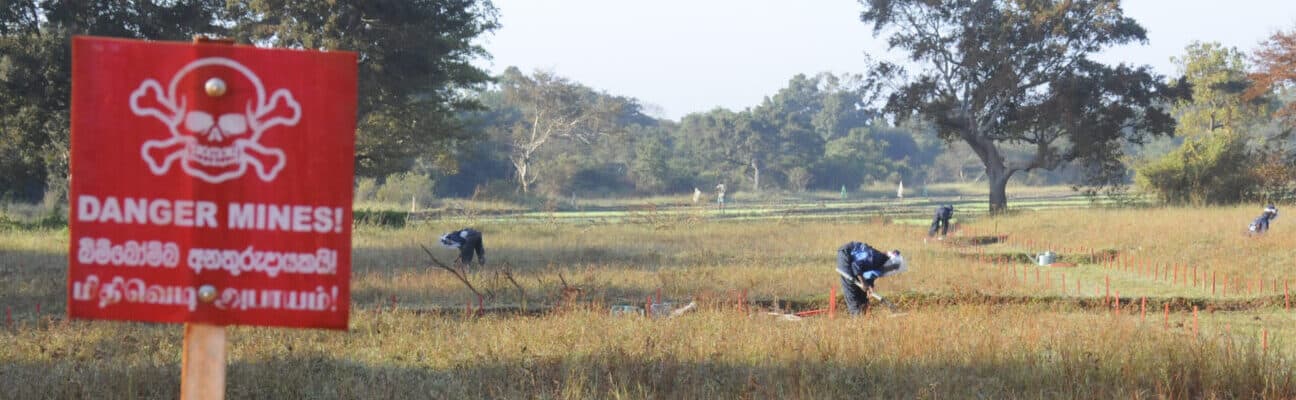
685 56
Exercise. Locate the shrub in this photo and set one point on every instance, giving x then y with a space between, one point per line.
1213 170
400 188
366 189
383 218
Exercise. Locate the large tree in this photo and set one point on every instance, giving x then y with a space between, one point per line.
1218 76
551 108
731 144
416 71
1000 73
36 70
1276 70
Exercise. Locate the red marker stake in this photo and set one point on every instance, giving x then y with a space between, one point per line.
1143 309
1167 316
832 302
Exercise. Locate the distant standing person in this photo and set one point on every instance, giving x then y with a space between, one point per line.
860 265
697 195
720 196
468 241
941 220
1261 223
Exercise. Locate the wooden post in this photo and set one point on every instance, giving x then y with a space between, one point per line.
202 358
202 373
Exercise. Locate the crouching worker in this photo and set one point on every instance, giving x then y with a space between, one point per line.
1261 223
861 265
941 220
468 241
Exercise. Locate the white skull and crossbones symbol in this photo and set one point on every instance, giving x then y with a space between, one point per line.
214 137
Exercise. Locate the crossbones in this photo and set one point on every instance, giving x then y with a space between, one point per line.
214 138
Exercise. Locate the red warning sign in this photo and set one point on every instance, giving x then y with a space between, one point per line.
211 183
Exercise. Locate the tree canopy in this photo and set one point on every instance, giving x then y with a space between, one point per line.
415 58
1276 70
995 74
36 71
416 72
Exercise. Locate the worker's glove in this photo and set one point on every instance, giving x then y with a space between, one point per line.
870 275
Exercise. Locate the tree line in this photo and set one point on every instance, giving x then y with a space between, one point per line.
994 91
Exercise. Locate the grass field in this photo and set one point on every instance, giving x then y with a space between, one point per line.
980 320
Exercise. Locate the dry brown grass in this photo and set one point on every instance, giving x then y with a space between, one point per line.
974 328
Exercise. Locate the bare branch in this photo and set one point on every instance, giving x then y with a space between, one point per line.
455 272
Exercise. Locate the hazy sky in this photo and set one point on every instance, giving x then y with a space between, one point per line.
685 56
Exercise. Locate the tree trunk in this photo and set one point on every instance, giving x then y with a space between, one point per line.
755 175
521 167
998 180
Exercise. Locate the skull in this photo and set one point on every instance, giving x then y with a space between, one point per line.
215 137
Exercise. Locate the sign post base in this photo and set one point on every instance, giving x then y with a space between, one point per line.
202 374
